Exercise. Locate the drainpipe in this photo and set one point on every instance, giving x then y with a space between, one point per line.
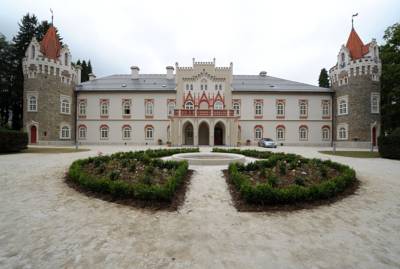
76 118
333 123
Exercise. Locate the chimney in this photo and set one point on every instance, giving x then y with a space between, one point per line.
91 76
263 74
170 72
135 72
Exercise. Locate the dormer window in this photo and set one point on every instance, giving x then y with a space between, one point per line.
218 105
189 105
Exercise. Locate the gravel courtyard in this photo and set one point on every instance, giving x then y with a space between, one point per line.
46 224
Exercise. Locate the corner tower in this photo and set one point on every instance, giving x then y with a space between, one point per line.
49 81
355 80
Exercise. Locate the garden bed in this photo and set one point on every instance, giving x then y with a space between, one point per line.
286 181
139 179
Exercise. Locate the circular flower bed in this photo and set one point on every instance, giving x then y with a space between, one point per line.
287 178
137 175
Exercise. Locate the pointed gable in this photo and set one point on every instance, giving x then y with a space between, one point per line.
355 46
50 45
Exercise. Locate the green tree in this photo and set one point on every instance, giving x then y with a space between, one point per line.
323 80
86 69
6 69
390 79
42 30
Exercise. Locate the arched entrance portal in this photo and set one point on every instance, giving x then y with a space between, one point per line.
33 133
204 134
188 134
219 134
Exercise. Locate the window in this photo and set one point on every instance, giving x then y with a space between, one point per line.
218 105
280 133
32 104
325 133
104 108
187 87
82 108
258 109
66 58
216 86
65 132
258 132
236 108
342 103
303 133
325 108
65 106
126 132
374 102
104 130
201 86
191 87
189 105
82 132
220 87
280 108
342 132
303 107
149 132
33 51
126 107
171 108
149 108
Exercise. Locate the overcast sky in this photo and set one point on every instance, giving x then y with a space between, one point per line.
288 39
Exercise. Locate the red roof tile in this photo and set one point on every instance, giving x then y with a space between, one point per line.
50 45
356 46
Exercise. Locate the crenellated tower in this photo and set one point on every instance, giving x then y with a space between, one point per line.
355 81
49 81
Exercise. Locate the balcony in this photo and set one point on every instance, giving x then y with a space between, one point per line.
204 113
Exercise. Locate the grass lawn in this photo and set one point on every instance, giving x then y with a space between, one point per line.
52 150
354 154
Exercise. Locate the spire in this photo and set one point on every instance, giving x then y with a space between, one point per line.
50 45
355 45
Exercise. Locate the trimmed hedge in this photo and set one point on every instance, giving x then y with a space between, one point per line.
12 141
120 189
389 146
267 194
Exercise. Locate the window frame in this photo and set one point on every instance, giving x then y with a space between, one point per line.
104 129
149 108
282 130
30 105
64 128
305 138
303 108
220 105
187 107
80 128
328 130
171 107
126 105
126 129
236 109
375 95
65 105
342 129
258 130
343 105
147 130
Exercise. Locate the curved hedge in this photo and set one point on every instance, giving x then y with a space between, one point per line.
119 189
12 141
389 146
266 194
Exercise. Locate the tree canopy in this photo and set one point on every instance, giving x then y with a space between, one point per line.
323 80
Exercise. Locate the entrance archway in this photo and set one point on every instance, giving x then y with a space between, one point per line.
219 134
188 133
33 134
204 134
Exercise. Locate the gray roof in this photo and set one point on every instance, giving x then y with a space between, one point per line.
146 82
256 83
159 82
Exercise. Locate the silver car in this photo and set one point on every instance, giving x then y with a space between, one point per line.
267 143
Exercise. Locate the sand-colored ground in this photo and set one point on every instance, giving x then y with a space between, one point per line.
46 224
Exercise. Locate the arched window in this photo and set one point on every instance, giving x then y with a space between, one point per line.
66 58
65 106
325 108
216 86
236 108
280 133
342 133
342 107
258 132
258 109
104 132
171 108
149 108
65 132
303 107
32 105
126 132
104 108
33 52
303 133
126 107
189 105
325 133
82 108
149 132
280 109
218 105
82 131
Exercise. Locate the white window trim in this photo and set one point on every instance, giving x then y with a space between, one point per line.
283 132
61 131
126 102
28 96
283 108
79 107
79 133
328 104
221 107
255 133
171 104
152 133
68 100
237 110
322 134
147 106
255 108
108 133
340 126
306 134
346 99
377 95
107 104
187 106
130 133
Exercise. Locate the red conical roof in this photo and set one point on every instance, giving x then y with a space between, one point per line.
50 45
356 46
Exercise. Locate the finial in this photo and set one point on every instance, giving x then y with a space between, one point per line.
352 19
51 17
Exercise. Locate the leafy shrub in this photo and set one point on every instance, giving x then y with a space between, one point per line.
12 141
299 181
389 146
113 175
273 180
282 168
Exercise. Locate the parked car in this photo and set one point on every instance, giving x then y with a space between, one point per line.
267 143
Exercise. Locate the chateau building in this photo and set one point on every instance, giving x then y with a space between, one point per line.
201 104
